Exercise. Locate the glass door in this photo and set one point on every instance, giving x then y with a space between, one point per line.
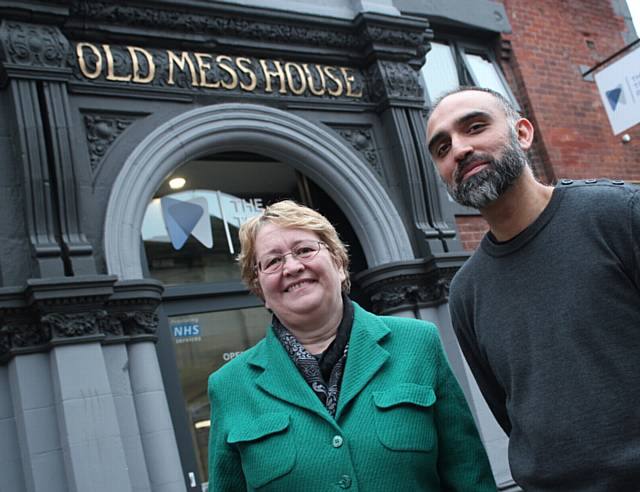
190 241
204 342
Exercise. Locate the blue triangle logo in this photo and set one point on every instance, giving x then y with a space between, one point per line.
613 96
180 219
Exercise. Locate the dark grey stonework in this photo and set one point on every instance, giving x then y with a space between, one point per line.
480 14
363 140
60 311
411 285
81 156
102 130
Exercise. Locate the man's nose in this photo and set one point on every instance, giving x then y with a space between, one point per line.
460 148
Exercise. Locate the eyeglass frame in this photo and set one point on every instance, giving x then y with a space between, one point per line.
291 253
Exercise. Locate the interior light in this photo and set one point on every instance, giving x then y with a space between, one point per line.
177 183
202 424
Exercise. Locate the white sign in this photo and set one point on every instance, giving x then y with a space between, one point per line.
619 86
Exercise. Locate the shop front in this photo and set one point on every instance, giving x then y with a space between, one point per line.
135 140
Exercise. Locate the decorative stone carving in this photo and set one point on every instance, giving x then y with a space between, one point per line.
45 314
394 80
417 40
22 335
33 45
409 285
102 131
138 322
237 26
434 292
362 140
66 325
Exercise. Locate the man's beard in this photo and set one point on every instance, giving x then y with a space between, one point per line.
488 185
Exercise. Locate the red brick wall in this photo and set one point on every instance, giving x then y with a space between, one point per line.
550 40
471 229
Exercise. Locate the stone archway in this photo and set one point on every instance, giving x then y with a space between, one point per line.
311 149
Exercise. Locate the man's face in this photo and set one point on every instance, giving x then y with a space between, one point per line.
476 150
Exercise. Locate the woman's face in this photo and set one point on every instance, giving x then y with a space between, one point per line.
307 291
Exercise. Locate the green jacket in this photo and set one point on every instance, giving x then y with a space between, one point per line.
402 423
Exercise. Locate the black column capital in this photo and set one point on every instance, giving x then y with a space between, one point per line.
410 285
67 310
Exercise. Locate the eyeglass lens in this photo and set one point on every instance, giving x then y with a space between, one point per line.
303 251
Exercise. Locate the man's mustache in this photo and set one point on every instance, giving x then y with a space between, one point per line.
471 160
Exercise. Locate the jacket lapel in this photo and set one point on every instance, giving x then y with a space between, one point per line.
282 379
365 357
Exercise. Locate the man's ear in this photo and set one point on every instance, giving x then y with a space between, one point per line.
524 133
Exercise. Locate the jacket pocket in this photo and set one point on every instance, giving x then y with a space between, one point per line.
266 448
404 418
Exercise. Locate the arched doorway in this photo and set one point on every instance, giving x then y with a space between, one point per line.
247 155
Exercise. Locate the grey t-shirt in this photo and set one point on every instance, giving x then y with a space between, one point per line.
550 325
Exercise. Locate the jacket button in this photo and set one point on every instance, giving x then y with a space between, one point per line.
617 182
566 181
344 482
590 181
337 441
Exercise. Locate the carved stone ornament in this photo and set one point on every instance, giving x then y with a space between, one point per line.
73 324
407 285
362 140
135 323
44 315
102 131
393 80
33 46
431 292
415 39
214 25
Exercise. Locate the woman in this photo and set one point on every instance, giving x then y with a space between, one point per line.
334 397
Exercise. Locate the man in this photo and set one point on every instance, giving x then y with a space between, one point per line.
547 310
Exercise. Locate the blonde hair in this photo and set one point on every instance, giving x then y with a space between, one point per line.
290 215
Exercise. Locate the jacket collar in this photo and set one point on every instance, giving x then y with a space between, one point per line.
280 376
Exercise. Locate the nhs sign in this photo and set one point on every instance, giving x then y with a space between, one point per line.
186 330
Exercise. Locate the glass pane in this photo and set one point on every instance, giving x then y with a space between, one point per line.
439 71
190 234
485 74
205 342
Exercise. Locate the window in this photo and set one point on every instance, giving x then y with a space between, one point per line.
451 64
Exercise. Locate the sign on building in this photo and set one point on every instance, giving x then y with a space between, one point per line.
619 86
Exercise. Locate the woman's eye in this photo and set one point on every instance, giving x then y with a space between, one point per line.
304 251
274 260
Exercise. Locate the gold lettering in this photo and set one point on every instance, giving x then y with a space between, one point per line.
111 75
203 66
334 77
268 74
312 89
240 61
290 80
137 78
350 79
229 69
83 63
181 62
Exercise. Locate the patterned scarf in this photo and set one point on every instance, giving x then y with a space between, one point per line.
329 365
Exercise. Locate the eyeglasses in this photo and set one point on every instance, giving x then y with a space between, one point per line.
304 252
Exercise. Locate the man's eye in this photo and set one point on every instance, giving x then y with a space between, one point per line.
476 127
442 149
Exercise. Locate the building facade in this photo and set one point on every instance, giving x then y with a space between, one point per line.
136 136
